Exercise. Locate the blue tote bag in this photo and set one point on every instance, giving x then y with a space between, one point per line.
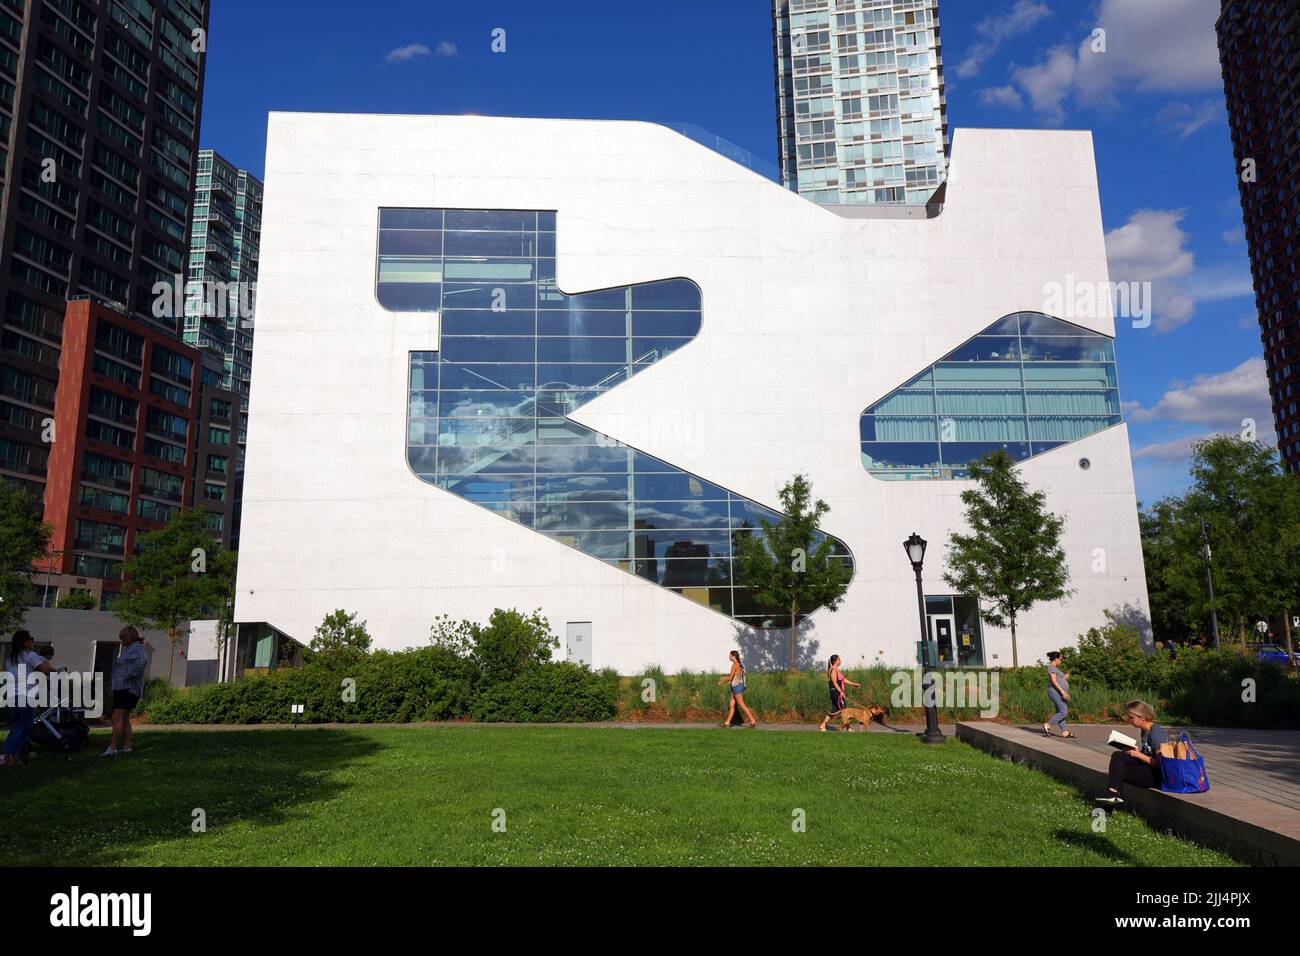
1184 776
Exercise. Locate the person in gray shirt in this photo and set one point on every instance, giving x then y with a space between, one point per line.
1140 765
1058 692
127 686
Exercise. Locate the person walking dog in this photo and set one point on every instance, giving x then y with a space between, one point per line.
127 686
835 681
737 680
1058 692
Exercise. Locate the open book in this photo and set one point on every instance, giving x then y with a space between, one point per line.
1121 741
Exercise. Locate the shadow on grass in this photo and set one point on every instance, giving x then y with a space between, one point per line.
83 810
1095 843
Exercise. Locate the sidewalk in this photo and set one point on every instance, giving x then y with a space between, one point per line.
1252 809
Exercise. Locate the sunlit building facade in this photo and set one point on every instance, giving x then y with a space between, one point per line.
503 368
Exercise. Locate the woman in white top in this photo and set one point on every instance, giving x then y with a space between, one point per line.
22 663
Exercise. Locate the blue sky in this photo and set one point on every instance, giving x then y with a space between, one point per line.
1153 100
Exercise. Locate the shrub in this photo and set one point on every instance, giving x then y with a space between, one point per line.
156 690
546 694
1113 655
339 639
77 600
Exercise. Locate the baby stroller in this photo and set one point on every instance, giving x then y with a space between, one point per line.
59 728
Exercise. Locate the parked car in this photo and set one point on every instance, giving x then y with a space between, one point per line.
1273 653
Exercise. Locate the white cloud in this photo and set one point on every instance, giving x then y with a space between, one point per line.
1179 449
1185 119
1222 400
1005 96
1152 247
1048 83
994 30
408 52
1225 402
446 49
1151 46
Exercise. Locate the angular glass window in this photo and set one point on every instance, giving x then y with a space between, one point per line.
488 413
1027 384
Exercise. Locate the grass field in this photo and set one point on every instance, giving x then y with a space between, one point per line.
575 796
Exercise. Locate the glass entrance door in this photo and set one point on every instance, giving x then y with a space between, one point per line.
943 629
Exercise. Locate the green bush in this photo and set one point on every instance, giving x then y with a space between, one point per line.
497 671
550 693
1113 655
1211 687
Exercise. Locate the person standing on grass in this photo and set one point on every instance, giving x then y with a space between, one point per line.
128 685
1139 765
835 680
737 680
22 663
1058 692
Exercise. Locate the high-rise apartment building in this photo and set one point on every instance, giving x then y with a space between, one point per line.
1259 42
225 242
99 118
137 437
861 110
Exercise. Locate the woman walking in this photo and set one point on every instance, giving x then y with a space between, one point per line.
737 680
128 685
1139 765
1058 692
22 663
835 681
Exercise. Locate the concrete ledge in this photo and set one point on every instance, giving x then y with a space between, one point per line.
1251 829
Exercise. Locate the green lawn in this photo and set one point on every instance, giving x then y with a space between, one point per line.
421 795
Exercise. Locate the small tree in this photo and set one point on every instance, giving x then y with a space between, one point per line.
1012 559
793 568
180 574
23 540
340 638
76 600
508 645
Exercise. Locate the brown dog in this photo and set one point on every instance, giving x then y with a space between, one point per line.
863 715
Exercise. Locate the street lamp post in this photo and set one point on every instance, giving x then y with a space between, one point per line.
1209 578
915 548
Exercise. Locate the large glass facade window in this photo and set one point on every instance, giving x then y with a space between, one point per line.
488 413
1028 383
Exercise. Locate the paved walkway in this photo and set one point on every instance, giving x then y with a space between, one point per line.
1264 763
1251 809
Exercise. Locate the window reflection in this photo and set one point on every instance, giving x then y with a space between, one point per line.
488 414
1029 383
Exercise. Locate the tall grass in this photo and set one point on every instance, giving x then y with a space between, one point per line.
784 697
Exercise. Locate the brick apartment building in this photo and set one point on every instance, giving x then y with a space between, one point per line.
137 435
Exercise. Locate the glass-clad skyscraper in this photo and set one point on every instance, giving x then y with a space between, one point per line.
861 112
221 282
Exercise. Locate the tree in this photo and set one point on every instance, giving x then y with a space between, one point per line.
180 574
76 600
1251 510
793 568
340 638
1012 559
23 540
510 644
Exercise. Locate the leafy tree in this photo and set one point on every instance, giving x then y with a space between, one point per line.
793 568
509 645
340 638
180 574
23 540
1251 510
1012 559
77 600
1171 617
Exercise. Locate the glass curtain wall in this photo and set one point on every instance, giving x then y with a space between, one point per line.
1028 383
488 414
